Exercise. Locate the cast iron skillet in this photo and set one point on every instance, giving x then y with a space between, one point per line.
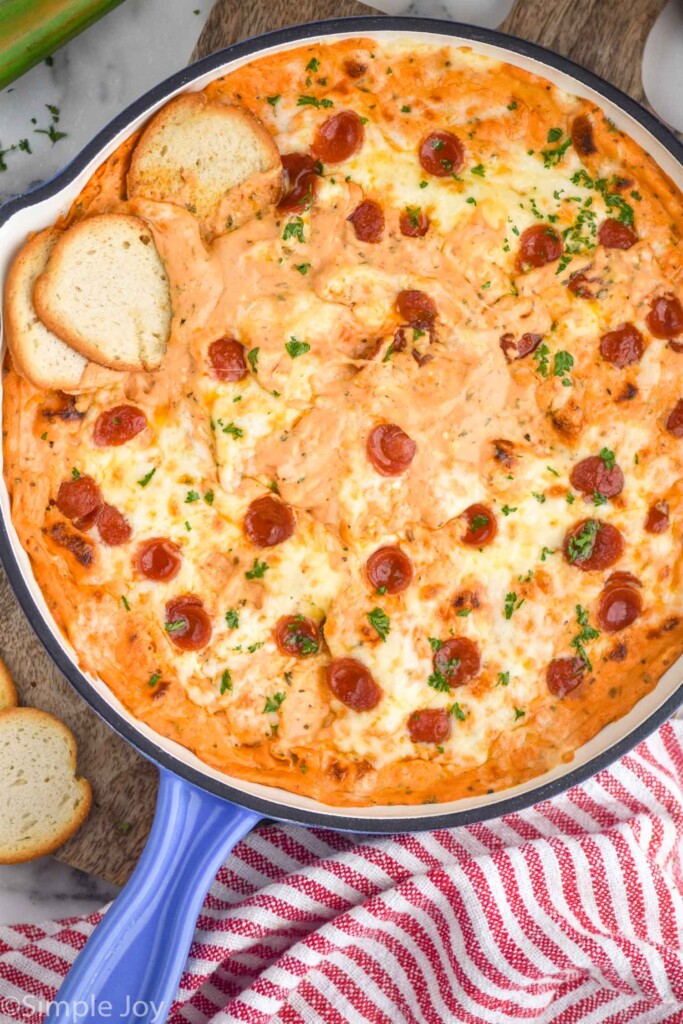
139 950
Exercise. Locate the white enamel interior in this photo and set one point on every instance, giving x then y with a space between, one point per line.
38 215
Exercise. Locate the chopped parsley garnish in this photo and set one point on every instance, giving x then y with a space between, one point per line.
252 356
580 547
540 498
512 604
437 144
303 268
554 135
587 634
304 644
191 497
607 457
208 497
546 552
414 215
478 170
147 477
464 612
562 364
513 105
457 712
234 431
435 644
124 602
257 571
423 184
273 99
313 101
43 437
389 353
471 200
154 679
552 157
599 499
294 229
379 620
313 64
232 619
551 470
187 526
519 714
405 109
226 681
503 679
297 348
175 626
75 474
274 703
570 498
478 523
541 355
438 682
506 509
255 646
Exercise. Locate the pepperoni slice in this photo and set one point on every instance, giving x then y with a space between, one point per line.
352 684
389 570
113 527
354 68
389 449
527 344
658 517
579 283
591 475
339 137
538 245
118 425
78 498
481 526
582 136
158 559
268 522
665 319
612 234
457 660
622 346
563 675
297 636
674 423
441 154
226 359
86 523
593 544
620 603
429 725
416 307
300 173
368 221
413 222
187 624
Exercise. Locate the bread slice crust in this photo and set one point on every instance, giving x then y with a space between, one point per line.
105 292
213 158
42 800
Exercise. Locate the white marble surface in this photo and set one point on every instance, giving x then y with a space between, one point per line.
91 80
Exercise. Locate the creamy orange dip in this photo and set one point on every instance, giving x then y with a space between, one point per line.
459 340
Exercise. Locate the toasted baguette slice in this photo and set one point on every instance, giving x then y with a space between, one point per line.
105 292
8 691
38 354
42 801
216 160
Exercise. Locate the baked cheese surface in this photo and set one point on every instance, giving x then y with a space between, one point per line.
399 518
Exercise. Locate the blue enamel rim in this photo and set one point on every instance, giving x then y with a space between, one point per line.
271 808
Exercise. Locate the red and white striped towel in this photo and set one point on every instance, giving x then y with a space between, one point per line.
569 912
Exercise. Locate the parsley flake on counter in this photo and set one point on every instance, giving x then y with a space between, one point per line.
379 621
257 571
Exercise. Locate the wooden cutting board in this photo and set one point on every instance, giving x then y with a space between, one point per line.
608 38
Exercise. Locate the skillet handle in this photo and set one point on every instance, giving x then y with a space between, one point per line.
131 965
